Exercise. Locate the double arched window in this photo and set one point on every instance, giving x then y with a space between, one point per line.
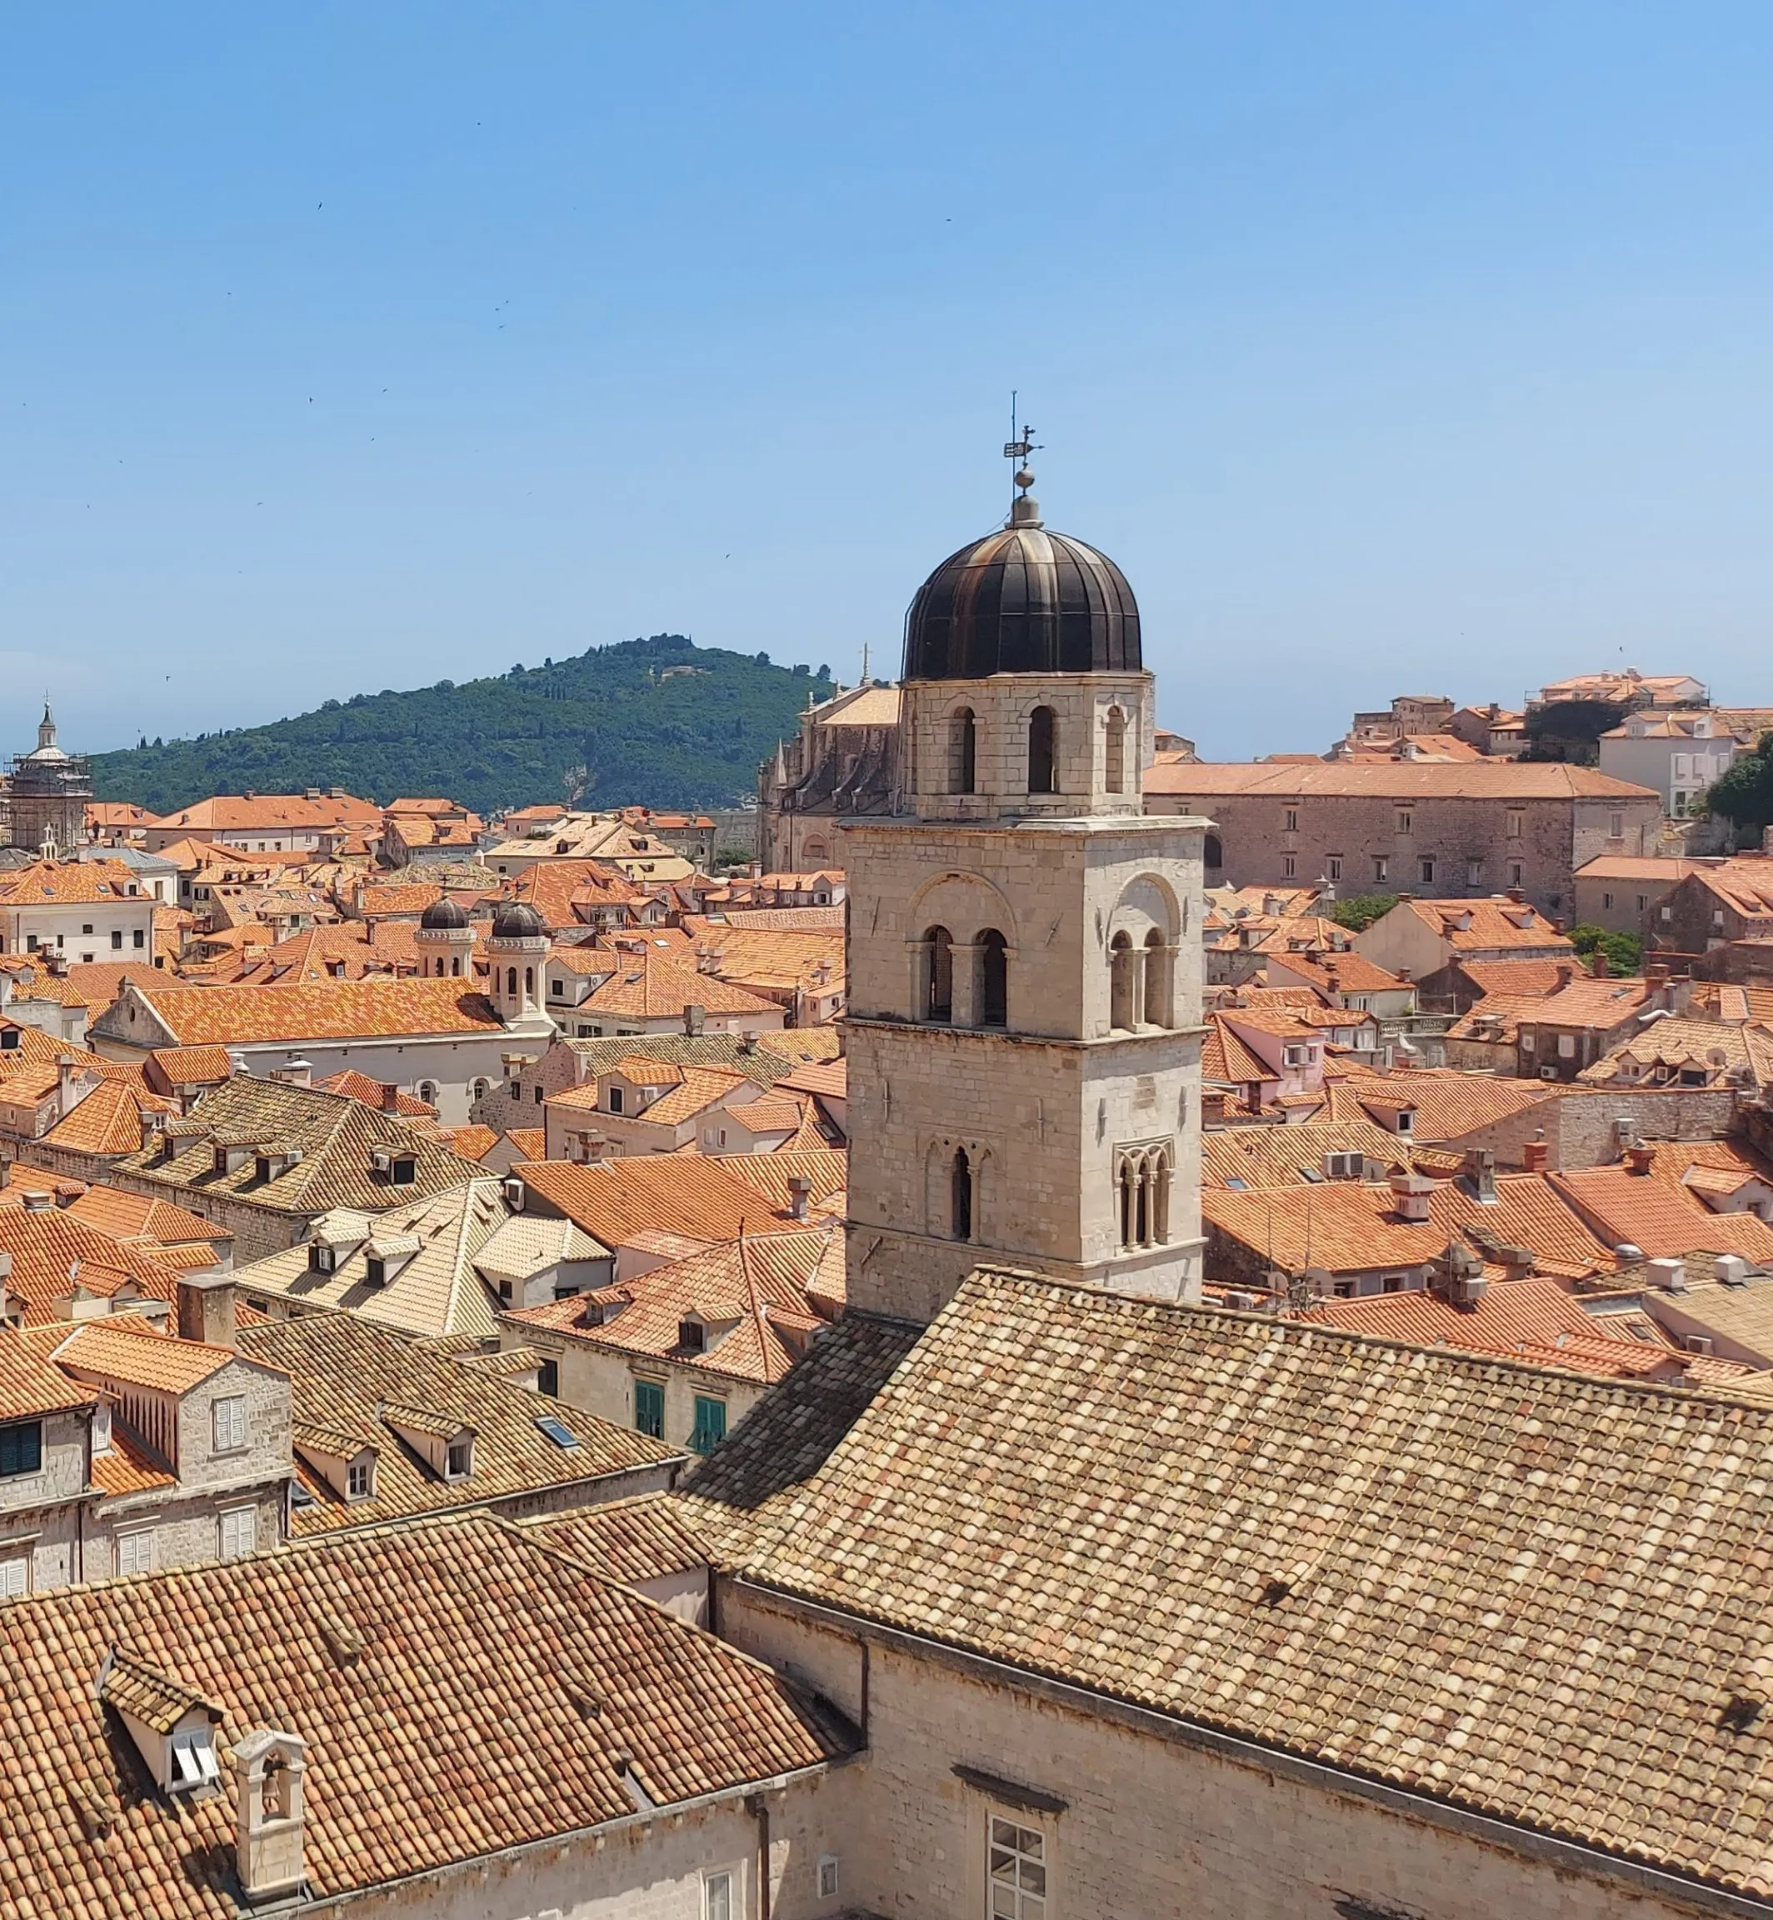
1142 1182
1043 751
963 751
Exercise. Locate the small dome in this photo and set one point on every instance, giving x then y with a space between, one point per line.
518 920
1022 600
444 916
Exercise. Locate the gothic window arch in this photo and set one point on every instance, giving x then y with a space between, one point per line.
1123 983
994 979
938 975
960 1196
963 751
1160 981
1114 768
529 981
1043 751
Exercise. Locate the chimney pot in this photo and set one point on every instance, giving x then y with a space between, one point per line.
206 1308
390 1097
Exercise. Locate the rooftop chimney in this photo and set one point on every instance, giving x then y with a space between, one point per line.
1411 1196
1457 1276
1480 1175
390 1097
800 1190
1566 973
693 1016
206 1308
1669 1274
1536 1156
1639 1160
270 1813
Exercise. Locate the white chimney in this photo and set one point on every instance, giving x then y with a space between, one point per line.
1669 1274
1730 1270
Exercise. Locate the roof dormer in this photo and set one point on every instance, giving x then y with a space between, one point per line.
445 1444
171 1724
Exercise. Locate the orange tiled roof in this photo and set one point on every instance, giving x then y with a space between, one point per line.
359 1086
359 1640
124 1347
135 1216
1660 1216
69 882
1449 1105
1402 779
108 1121
31 1383
340 1010
191 1066
713 1199
650 986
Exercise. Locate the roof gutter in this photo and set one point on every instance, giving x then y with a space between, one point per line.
1489 1829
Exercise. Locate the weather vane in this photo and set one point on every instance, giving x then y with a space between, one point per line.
1019 446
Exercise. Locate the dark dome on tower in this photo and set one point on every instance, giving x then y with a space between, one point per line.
1022 600
517 920
443 916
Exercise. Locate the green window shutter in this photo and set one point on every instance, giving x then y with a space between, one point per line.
649 1408
710 1425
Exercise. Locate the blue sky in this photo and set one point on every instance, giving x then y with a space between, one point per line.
1388 347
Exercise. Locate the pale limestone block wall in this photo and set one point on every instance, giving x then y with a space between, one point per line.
655 1868
186 1528
602 1382
1153 1824
1043 1106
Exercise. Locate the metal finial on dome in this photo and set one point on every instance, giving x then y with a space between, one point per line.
1024 508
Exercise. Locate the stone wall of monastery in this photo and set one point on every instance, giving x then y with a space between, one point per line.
652 1869
1153 1823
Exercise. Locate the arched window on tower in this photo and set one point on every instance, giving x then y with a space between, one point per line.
1114 773
1123 983
529 982
963 751
1160 981
455 966
511 982
1043 751
960 1196
994 979
1142 1183
1212 853
938 970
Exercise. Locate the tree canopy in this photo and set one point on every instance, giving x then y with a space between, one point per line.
1744 795
657 723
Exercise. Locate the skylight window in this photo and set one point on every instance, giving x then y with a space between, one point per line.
557 1431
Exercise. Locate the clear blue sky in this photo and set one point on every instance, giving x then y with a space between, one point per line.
1388 347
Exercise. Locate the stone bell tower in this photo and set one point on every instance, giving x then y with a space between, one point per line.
1024 950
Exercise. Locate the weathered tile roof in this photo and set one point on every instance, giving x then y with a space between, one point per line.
767 1295
358 1644
124 1347
711 1199
31 1383
190 1066
648 986
345 1374
765 1057
627 1540
1449 1105
1660 1216
108 1120
1292 1156
359 1086
1526 1593
52 1252
336 1136
69 882
437 1290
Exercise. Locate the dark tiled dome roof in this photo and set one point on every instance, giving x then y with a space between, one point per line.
1022 600
517 920
444 916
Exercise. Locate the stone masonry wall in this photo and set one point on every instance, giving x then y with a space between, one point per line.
1152 1825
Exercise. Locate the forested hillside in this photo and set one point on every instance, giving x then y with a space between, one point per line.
658 723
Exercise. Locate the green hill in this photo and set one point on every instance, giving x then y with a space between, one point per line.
656 723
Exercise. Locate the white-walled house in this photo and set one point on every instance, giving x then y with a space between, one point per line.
88 911
1679 754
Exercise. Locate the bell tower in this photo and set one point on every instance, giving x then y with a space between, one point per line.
1024 1013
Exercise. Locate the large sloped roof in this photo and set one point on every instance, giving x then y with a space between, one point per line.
1529 1594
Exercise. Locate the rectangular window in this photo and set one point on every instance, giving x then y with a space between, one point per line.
357 1479
1616 826
15 1578
1289 867
1643 901
21 1448
240 1532
1292 820
116 939
649 1407
1335 866
538 1093
1517 822
86 931
1017 1868
138 939
1514 873
615 1099
1474 873
1566 1046
1425 872
710 1428
228 1422
1381 868
458 1462
1405 821
135 1551
720 1896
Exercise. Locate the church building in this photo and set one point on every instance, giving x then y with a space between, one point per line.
1024 1018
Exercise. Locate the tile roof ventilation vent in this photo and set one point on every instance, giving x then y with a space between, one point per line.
1458 1276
